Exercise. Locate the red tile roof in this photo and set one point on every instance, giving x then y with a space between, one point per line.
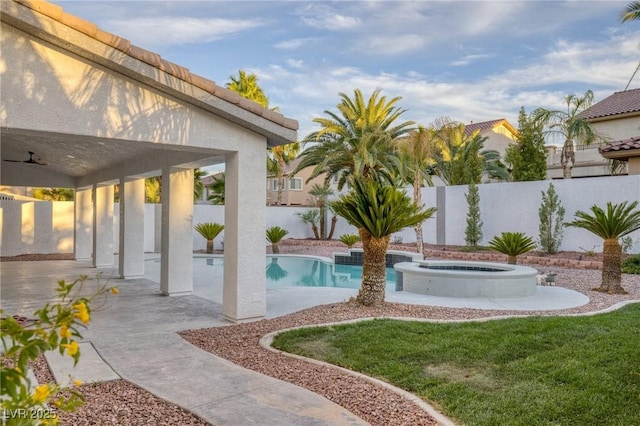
57 13
486 126
623 145
619 103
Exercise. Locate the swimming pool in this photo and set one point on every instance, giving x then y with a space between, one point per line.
286 271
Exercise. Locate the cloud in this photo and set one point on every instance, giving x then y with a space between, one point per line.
150 32
325 18
295 43
295 63
468 59
395 44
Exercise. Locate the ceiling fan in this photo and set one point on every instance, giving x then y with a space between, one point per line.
31 160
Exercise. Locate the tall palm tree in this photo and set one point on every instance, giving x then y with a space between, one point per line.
322 193
198 186
570 125
246 85
278 157
631 12
358 140
377 210
617 221
417 156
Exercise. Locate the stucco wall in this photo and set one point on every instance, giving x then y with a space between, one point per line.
47 227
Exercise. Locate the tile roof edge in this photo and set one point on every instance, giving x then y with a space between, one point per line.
153 59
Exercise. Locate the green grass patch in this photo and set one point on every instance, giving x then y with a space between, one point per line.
523 371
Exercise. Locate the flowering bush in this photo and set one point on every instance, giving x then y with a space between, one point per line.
55 326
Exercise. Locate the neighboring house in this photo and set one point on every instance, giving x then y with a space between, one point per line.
617 118
627 150
296 189
499 133
206 181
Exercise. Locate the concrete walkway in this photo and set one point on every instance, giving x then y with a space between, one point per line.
135 335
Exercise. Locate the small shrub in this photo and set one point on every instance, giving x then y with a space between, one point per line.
274 235
397 239
631 265
626 244
473 231
512 244
349 239
551 214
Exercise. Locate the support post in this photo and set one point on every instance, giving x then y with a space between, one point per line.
103 226
83 229
131 238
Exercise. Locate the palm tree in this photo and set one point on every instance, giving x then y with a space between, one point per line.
617 221
570 125
152 188
631 12
274 235
198 186
280 156
246 85
54 194
417 154
311 217
209 231
377 210
217 187
512 244
322 193
460 158
358 140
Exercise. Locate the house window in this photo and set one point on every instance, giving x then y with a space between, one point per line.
274 185
295 184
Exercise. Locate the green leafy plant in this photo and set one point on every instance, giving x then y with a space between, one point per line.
551 214
54 327
611 224
589 252
473 231
349 239
274 235
209 231
311 217
626 244
631 265
512 244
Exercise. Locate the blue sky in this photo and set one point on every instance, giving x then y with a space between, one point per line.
470 61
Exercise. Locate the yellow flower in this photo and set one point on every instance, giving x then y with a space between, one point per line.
77 382
114 290
83 312
72 348
65 332
41 393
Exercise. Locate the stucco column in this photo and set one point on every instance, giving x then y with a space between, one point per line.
441 223
103 226
131 241
176 269
83 230
244 292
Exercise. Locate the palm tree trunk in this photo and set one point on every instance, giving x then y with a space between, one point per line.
511 260
611 273
209 246
275 248
323 217
314 228
567 158
334 220
417 197
374 273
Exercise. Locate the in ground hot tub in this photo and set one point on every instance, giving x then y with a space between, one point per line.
466 279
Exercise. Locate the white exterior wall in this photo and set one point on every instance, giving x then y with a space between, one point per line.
47 227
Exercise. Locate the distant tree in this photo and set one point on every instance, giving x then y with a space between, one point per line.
54 194
246 85
551 214
322 194
217 188
528 156
570 125
473 231
278 158
198 186
631 12
152 188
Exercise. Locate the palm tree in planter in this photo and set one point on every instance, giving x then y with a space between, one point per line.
610 225
378 211
274 235
512 244
209 231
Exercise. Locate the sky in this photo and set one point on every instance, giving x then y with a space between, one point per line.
468 61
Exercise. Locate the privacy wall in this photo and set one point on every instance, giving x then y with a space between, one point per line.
47 227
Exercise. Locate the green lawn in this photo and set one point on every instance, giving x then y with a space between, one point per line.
525 371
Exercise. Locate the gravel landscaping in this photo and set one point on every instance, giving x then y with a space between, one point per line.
123 403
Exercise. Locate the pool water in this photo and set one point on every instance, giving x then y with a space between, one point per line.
295 271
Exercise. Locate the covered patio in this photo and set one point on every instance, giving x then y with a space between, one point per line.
85 109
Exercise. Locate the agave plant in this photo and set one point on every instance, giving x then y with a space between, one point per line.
274 235
349 239
512 244
209 231
610 225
